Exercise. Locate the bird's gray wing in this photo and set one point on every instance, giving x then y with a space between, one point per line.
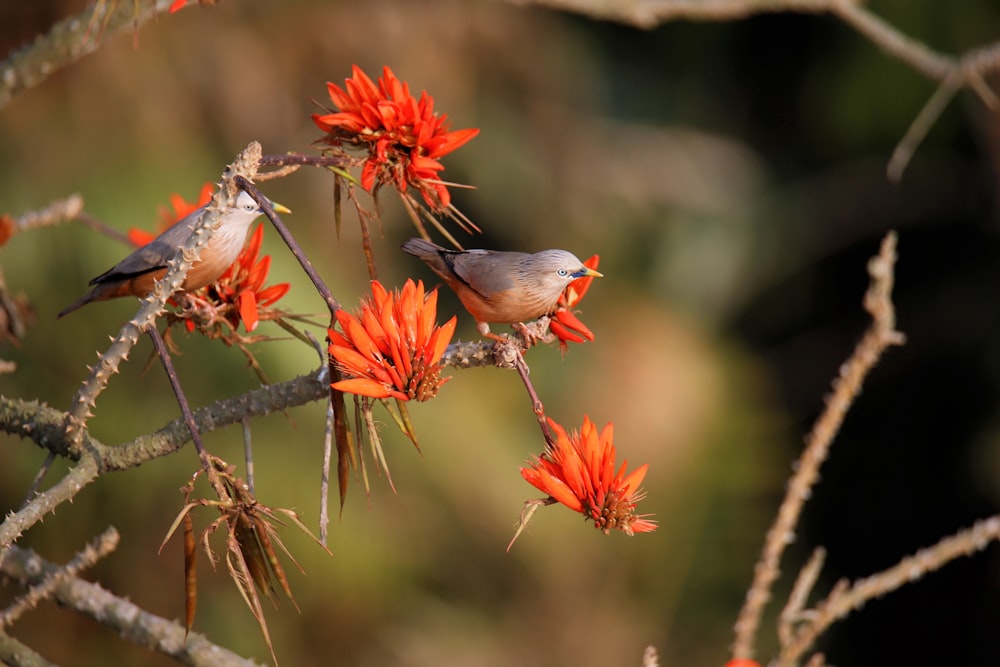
485 271
155 254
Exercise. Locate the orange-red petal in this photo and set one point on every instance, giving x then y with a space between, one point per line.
246 302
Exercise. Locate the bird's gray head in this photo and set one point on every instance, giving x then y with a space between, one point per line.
554 270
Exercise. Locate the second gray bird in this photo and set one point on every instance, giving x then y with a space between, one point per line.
499 286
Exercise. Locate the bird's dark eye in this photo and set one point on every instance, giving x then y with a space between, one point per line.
563 272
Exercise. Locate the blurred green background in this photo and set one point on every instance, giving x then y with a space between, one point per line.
732 178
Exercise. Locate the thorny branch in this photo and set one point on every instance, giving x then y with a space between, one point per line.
131 621
85 398
102 545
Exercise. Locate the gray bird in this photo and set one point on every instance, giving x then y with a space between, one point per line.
136 274
502 287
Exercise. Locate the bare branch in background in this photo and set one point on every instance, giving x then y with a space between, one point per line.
881 335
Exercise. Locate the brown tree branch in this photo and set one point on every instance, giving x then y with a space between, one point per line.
127 619
100 547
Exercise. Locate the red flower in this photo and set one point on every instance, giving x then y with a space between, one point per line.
178 5
403 136
393 346
565 324
579 472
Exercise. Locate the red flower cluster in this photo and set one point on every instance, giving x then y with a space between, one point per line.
579 472
393 347
239 292
403 136
564 324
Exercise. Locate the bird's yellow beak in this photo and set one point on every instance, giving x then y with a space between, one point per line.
280 208
587 271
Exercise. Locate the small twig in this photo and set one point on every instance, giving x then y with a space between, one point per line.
206 462
793 611
100 227
911 52
248 452
846 387
39 476
845 598
536 403
921 125
328 432
100 547
817 660
307 266
366 244
324 487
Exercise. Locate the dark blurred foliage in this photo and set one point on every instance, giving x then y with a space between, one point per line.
732 177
